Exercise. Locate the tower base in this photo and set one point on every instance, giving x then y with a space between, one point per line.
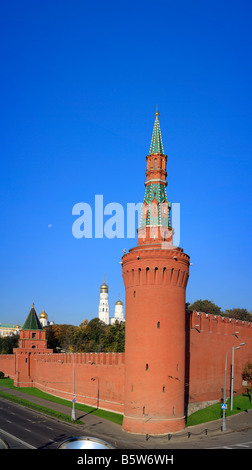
156 426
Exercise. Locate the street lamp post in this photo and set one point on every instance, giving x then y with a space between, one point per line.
73 400
224 425
232 375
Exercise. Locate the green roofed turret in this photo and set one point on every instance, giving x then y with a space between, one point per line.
32 321
156 141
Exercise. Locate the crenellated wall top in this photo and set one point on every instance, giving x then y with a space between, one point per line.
202 321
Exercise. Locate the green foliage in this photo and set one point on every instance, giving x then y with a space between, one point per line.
7 343
93 336
239 314
205 306
247 376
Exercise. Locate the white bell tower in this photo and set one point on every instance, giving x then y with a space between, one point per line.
104 305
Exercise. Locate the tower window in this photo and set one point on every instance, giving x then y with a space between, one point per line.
158 324
155 163
33 335
163 389
134 293
147 367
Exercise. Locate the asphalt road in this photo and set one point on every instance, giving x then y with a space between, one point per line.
23 428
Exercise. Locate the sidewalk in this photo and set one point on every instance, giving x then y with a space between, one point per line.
113 433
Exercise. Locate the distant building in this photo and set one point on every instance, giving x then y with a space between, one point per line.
104 307
8 329
118 313
43 318
104 304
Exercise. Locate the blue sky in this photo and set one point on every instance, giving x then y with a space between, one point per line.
80 81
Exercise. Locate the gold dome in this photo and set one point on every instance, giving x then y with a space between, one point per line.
43 314
104 287
119 302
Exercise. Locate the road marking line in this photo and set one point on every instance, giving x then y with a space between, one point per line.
17 439
27 430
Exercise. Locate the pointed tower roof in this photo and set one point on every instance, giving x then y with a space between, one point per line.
32 322
156 141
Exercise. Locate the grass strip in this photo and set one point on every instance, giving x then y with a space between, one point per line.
36 407
33 391
213 412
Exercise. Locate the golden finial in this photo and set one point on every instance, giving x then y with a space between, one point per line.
157 112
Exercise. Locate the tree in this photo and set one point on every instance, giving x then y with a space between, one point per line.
114 338
7 343
60 336
247 376
205 306
239 314
92 336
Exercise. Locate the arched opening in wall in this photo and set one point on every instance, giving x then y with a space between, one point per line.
134 293
143 410
139 275
155 164
147 367
158 325
163 388
164 273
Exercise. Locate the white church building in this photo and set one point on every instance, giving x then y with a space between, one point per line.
104 307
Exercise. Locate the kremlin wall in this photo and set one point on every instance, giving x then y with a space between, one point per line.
174 360
99 377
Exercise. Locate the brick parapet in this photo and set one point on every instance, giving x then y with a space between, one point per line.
219 324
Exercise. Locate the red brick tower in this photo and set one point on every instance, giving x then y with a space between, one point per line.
32 341
155 275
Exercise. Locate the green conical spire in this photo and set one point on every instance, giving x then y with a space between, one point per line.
32 322
156 141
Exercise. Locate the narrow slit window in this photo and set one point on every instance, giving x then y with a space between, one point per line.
147 367
158 325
